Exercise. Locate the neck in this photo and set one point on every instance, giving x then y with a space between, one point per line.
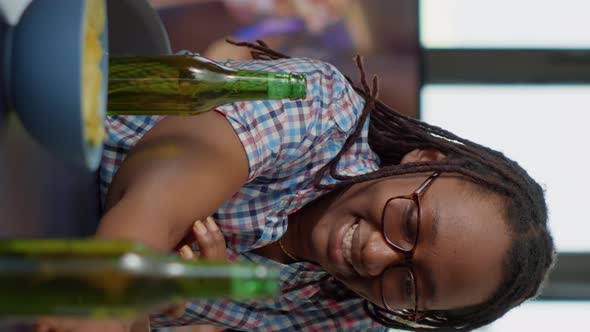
297 240
290 257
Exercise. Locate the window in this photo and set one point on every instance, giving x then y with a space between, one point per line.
541 127
505 24
542 316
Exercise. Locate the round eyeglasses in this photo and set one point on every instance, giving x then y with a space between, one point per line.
400 224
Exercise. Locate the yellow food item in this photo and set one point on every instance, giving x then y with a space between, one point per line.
91 75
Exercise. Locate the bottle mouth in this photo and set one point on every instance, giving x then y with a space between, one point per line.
299 84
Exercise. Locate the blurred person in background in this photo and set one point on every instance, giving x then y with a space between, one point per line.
383 31
324 29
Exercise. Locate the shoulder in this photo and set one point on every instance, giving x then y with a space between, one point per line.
285 130
330 97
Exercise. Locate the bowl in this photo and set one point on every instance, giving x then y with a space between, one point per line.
46 78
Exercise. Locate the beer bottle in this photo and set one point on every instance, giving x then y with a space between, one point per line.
189 84
99 278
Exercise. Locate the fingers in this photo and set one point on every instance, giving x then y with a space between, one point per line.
187 252
210 239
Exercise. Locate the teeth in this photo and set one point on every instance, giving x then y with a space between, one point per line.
347 243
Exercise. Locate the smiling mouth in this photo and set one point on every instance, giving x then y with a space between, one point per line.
347 243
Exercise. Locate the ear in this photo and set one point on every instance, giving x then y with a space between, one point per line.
417 155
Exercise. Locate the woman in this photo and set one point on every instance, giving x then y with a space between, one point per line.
379 222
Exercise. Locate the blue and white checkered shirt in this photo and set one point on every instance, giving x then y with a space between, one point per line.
287 142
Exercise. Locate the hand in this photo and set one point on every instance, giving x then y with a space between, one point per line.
210 240
211 247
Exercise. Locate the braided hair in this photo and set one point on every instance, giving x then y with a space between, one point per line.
531 255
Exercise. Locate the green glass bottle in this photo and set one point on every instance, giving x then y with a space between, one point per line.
189 84
97 278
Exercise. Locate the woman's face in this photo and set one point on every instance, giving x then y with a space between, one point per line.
458 258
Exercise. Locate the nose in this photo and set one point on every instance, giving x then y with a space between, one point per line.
377 255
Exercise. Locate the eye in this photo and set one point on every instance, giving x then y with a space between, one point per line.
408 286
410 223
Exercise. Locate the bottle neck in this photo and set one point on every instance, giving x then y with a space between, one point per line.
252 85
268 84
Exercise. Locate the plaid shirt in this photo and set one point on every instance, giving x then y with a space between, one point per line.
286 142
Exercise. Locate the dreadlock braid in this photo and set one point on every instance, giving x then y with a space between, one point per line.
392 135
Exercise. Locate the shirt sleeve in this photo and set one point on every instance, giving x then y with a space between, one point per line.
274 133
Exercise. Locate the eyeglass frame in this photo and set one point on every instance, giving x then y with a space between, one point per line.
408 254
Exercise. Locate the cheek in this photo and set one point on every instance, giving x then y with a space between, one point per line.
367 288
320 239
